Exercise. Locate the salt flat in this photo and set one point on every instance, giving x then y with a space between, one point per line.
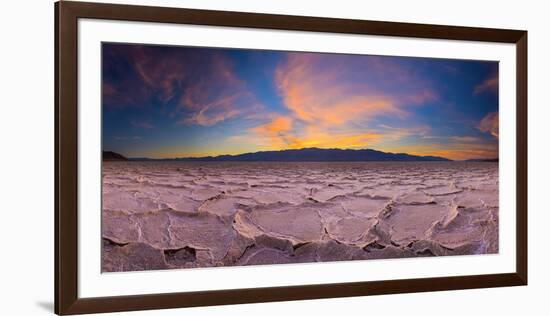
164 214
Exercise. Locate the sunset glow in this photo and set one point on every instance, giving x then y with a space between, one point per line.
166 102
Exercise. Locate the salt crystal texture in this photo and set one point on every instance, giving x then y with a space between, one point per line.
166 215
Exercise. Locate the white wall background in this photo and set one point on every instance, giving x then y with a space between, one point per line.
26 179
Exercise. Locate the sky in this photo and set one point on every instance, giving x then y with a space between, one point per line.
174 101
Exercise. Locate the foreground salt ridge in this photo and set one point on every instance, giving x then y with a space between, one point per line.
163 215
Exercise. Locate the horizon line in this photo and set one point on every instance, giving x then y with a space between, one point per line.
293 149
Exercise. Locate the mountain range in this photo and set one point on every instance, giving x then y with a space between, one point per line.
112 156
299 155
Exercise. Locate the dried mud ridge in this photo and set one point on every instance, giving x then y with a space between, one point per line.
164 215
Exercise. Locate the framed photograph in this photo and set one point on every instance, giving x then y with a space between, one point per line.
209 157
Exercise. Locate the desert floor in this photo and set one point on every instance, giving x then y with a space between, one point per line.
164 215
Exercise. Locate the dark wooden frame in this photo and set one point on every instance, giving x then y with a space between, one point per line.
66 173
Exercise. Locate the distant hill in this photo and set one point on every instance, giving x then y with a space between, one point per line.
112 156
313 154
483 160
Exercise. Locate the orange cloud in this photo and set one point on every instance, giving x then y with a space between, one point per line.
322 139
279 134
330 109
489 124
320 97
490 84
278 125
276 131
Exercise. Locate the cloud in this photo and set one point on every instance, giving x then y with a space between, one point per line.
210 112
320 138
490 84
122 84
322 89
194 86
276 132
142 124
108 91
465 139
460 147
217 97
394 139
451 150
311 137
284 132
395 133
489 124
332 101
128 138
